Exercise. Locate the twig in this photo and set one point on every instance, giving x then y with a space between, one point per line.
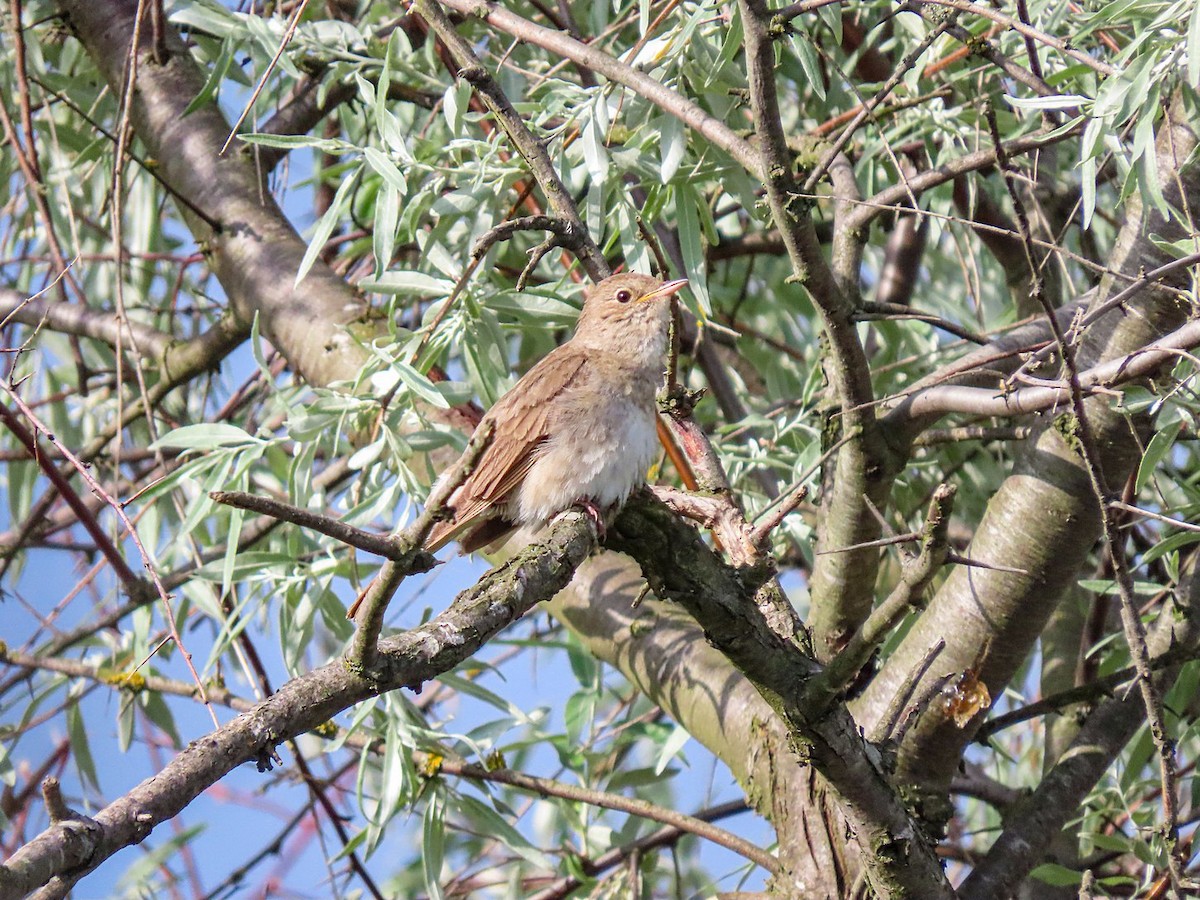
1139 511
290 30
907 595
1024 30
959 560
548 787
379 544
885 729
871 311
935 436
374 600
1103 686
718 512
906 538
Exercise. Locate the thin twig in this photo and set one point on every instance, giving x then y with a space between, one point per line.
908 595
548 787
288 32
379 544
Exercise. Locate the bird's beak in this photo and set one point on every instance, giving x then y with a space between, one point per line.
665 290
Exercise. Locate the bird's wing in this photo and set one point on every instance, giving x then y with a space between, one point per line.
522 422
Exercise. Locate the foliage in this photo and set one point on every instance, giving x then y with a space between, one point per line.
394 169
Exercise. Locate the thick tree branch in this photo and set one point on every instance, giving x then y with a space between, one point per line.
896 855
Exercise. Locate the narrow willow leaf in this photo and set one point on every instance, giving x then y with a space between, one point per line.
325 225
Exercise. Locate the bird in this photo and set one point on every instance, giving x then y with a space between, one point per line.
579 428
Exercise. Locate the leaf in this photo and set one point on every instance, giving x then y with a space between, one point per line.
670 748
325 225
81 750
578 713
409 282
433 843
237 516
388 170
1055 875
1170 544
487 821
1193 47
205 436
672 142
383 235
1156 451
1106 586
692 244
294 141
216 75
416 383
1087 182
595 156
1058 101
809 62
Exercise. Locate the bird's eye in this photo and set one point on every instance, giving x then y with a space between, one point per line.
624 296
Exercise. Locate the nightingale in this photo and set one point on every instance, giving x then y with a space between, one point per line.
579 428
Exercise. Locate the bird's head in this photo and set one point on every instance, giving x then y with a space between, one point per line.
627 307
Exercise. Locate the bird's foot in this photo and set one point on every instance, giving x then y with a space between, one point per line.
593 512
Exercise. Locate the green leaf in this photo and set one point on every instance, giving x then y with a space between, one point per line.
338 208
388 170
1167 545
216 76
809 61
692 244
672 142
81 750
383 236
294 141
670 748
398 372
487 821
433 844
1156 451
409 282
138 878
1193 47
206 436
1056 875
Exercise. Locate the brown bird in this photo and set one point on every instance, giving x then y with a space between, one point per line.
579 427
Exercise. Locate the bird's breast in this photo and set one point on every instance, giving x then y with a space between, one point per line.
599 449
